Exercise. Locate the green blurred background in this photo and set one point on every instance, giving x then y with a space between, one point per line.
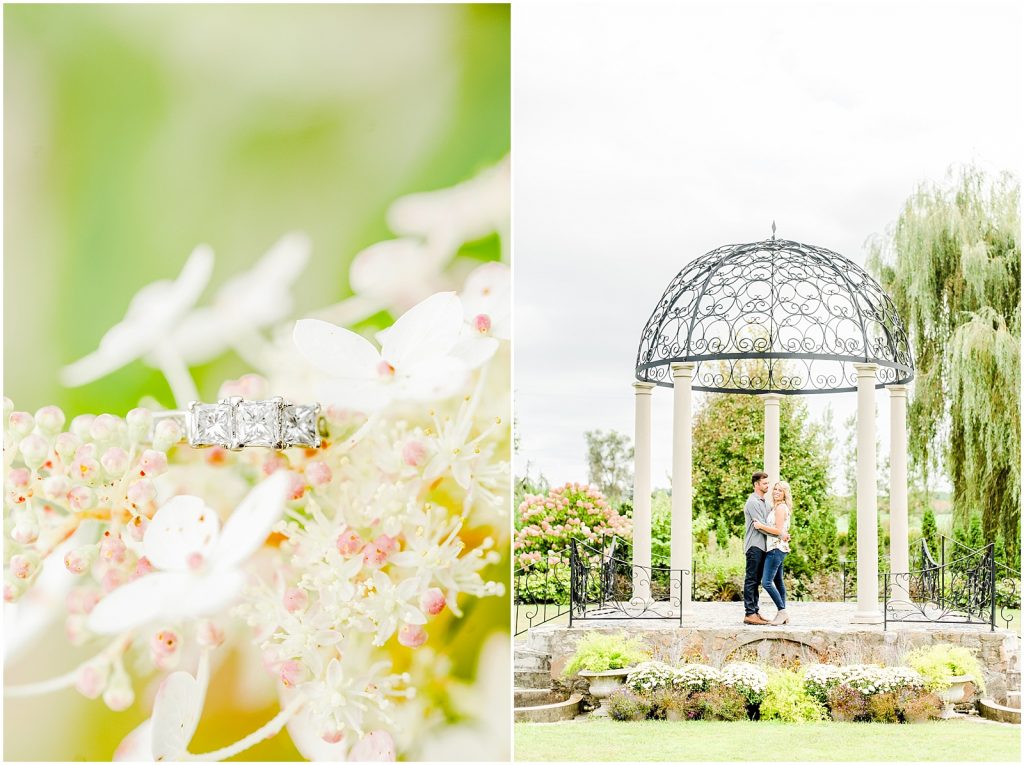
133 133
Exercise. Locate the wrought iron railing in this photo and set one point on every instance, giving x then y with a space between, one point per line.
541 594
960 591
604 586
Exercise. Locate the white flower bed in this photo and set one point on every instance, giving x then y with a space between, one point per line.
866 678
749 679
651 676
696 677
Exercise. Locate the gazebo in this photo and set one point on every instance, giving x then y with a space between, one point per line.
773 318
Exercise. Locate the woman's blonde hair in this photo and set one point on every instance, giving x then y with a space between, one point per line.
787 495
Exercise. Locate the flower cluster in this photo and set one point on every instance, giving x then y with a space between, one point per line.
547 523
651 676
749 679
868 679
696 677
335 564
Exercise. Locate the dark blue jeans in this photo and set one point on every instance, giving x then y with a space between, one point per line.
755 565
771 578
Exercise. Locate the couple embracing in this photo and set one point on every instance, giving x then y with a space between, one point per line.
766 543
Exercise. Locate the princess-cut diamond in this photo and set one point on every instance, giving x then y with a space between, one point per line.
257 423
300 426
211 425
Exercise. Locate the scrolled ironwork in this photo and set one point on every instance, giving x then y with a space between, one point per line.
603 587
541 594
807 314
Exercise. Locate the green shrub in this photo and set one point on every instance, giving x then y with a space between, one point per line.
720 703
668 700
626 706
786 699
846 704
938 663
883 708
597 652
720 572
916 706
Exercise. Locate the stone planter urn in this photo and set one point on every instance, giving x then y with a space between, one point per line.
604 684
961 688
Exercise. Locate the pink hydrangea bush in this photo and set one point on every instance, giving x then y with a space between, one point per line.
546 523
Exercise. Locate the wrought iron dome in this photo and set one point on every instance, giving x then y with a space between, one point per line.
774 317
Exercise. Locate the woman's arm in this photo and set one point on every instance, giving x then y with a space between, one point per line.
780 519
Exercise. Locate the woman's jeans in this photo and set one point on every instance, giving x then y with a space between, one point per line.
771 579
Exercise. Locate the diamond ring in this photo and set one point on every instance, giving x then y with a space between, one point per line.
235 423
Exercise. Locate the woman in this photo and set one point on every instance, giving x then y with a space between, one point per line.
777 525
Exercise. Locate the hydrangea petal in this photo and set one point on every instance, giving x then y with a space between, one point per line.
176 711
428 330
134 604
434 380
137 746
488 290
336 351
375 746
307 738
252 521
180 530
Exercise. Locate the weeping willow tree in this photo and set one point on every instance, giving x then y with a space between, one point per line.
952 266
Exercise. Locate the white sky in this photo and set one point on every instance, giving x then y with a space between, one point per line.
646 135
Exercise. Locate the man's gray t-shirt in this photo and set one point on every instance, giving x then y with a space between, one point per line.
756 509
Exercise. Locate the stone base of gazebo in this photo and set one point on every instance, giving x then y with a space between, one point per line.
817 632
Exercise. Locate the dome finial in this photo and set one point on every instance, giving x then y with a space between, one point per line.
773 231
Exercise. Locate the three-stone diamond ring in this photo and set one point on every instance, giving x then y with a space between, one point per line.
235 423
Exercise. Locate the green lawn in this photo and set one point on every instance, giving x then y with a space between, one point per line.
607 740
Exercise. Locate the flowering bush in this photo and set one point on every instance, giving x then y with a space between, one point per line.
332 565
749 679
547 523
696 677
651 676
627 706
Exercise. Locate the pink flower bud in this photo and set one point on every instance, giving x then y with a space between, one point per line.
81 498
114 461
432 601
296 485
373 556
104 427
92 678
26 530
80 425
141 492
50 419
349 542
13 589
66 444
413 453
292 673
412 635
152 463
56 487
111 580
332 735
209 635
482 322
140 423
142 567
137 526
386 544
384 369
112 548
166 434
19 477
81 600
318 474
21 423
79 560
295 599
85 469
119 694
164 644
23 566
194 561
34 450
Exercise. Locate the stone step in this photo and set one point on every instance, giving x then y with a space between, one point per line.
990 710
1013 699
536 697
532 678
527 659
547 713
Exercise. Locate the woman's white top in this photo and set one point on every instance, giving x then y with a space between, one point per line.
776 543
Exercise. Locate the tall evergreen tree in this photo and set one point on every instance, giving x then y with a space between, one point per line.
952 267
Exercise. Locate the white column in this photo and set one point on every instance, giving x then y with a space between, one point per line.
899 525
642 491
867 500
772 457
682 482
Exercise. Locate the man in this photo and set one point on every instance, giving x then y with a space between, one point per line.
754 547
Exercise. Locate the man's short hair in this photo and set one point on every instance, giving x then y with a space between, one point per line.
757 477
